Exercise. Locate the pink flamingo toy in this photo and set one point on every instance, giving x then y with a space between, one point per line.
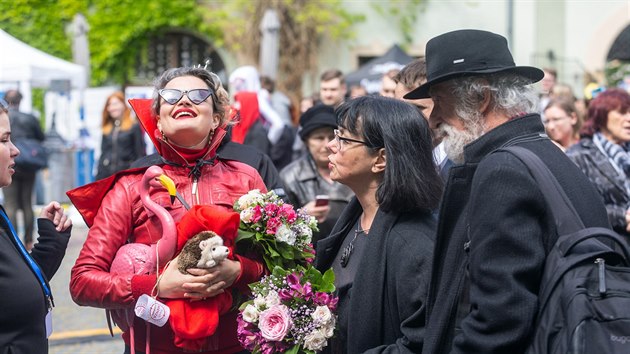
138 258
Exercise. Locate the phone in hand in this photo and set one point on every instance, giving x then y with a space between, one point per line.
321 200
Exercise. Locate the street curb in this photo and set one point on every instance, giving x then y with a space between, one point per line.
82 336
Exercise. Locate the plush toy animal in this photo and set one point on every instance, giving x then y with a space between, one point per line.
204 250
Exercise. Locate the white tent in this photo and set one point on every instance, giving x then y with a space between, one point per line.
30 67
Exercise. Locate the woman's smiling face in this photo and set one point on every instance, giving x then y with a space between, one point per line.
184 123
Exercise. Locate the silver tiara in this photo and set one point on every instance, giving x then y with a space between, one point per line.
208 67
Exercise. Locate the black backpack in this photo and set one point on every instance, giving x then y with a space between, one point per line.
585 288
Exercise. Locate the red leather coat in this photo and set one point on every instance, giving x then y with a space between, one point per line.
113 210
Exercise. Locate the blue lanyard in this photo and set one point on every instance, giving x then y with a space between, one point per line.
34 267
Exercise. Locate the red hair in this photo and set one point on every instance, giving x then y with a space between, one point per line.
600 106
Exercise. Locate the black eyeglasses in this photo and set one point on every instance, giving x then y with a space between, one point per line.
339 139
4 106
197 96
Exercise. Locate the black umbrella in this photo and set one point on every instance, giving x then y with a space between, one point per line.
620 48
369 75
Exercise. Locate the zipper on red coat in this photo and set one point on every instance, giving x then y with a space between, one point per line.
195 191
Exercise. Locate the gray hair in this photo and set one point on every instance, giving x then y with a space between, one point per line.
220 97
511 94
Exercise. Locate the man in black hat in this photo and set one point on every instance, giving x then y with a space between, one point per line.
307 180
494 229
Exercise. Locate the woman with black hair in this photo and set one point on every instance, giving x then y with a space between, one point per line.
308 177
381 247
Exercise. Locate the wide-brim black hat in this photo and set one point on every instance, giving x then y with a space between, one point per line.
469 53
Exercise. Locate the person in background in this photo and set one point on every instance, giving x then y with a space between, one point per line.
123 139
562 122
357 91
603 154
245 83
381 248
494 222
308 177
388 84
24 290
547 83
309 101
184 120
408 78
18 196
332 88
279 101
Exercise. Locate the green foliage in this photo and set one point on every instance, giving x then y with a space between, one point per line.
120 29
404 13
616 71
41 23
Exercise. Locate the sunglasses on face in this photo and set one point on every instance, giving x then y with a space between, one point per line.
197 96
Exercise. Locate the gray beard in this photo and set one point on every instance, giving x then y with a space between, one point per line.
455 140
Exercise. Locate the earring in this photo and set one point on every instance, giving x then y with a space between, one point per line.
210 136
163 136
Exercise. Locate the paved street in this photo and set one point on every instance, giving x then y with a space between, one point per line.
80 330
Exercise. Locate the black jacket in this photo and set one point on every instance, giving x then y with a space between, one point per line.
22 302
119 149
495 226
387 307
606 180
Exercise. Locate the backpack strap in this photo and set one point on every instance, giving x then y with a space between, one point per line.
566 217
571 230
572 234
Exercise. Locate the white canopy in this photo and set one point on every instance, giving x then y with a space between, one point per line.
31 67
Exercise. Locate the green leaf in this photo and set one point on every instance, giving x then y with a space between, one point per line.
244 235
294 350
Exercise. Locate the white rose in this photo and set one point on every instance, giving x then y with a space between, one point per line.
329 328
248 199
285 234
250 314
260 302
246 215
315 340
272 299
321 314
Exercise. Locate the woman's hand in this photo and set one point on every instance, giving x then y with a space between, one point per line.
55 213
319 212
628 220
198 283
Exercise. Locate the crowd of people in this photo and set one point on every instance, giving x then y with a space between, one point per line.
437 237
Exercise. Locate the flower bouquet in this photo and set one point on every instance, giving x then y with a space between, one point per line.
275 229
292 311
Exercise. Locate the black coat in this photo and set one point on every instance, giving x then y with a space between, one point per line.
22 302
493 208
119 149
387 308
606 179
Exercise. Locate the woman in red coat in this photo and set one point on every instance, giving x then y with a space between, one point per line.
184 121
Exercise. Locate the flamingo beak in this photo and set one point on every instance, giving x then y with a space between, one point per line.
168 183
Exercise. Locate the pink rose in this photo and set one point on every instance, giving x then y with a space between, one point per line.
275 322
